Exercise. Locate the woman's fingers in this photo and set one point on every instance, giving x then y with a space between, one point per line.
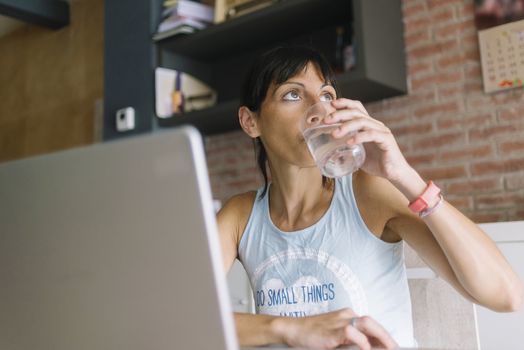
374 331
344 115
358 124
342 327
353 335
347 103
381 138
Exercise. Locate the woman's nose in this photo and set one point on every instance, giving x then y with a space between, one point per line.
313 119
317 112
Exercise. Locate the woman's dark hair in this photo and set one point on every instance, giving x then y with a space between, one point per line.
277 66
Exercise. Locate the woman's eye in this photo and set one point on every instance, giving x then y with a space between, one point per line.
292 96
327 97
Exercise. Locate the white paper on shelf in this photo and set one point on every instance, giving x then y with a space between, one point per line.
164 86
190 87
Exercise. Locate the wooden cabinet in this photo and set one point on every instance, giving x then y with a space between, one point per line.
221 54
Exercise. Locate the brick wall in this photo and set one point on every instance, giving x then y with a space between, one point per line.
471 143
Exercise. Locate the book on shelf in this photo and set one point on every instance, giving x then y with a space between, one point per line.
183 29
174 22
191 9
236 8
183 17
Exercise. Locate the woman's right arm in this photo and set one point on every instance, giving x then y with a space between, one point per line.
252 330
322 331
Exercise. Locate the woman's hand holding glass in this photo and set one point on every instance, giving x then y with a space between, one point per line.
383 156
333 156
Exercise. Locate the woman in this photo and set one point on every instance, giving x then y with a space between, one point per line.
324 256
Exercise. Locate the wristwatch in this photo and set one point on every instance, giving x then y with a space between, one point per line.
429 195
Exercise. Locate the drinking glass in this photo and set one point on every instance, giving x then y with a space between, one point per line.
333 156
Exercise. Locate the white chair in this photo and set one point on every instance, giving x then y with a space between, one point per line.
444 319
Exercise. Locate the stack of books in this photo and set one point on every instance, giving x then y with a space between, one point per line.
183 17
236 8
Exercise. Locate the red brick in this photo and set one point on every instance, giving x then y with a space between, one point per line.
416 38
514 182
463 58
501 200
413 10
473 74
490 132
396 105
477 102
483 217
419 67
412 129
436 79
420 159
499 167
450 90
472 186
467 10
474 86
465 121
506 98
512 146
432 49
516 215
418 98
412 25
441 14
435 4
435 142
439 173
511 114
468 153
457 59
392 119
461 203
454 29
435 109
404 147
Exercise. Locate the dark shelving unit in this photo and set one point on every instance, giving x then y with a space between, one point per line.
221 54
282 21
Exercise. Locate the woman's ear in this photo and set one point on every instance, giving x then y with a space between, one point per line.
248 121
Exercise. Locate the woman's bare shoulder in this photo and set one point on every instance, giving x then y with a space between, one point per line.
376 190
234 215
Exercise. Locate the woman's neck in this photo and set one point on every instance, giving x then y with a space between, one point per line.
297 197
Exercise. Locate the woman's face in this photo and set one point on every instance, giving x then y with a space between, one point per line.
282 110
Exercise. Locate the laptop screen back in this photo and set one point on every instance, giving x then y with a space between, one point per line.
112 246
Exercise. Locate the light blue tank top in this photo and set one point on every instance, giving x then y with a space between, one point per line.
333 264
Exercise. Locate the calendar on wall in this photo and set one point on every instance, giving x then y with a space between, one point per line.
502 55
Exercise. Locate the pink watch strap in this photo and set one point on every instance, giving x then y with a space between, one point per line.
421 202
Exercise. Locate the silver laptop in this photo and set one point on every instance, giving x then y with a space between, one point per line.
112 246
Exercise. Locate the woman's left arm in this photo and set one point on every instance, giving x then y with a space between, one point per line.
458 249
450 243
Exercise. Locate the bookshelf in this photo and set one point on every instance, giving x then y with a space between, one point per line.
221 54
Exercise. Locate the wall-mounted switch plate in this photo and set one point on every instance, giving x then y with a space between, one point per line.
125 119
